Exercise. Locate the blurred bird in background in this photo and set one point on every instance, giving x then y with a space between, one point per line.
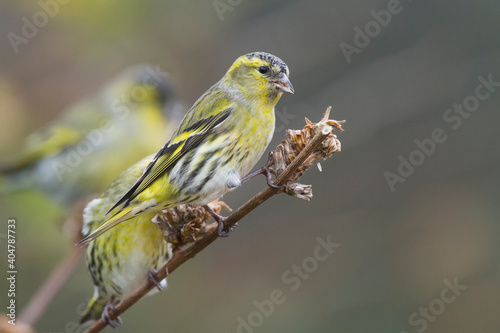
124 258
217 143
82 151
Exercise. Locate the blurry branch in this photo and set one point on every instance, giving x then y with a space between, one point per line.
51 286
289 160
63 271
19 327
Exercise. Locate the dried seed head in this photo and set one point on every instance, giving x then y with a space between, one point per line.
296 140
300 191
184 224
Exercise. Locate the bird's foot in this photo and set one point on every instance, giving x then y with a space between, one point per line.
220 222
152 279
265 170
109 315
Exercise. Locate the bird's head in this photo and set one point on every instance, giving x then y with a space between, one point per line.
260 75
144 87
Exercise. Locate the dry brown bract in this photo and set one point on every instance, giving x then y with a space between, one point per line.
185 224
295 142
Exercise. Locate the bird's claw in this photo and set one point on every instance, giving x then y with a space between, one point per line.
221 232
266 171
220 222
152 279
109 316
270 182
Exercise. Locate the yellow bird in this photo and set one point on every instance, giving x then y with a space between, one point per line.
82 151
218 142
124 258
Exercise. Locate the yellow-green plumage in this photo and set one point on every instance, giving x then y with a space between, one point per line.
119 261
82 151
218 141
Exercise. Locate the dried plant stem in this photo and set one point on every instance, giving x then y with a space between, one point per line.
182 256
303 155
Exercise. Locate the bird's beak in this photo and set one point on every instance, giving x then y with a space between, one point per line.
283 84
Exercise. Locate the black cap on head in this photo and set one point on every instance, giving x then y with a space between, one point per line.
271 59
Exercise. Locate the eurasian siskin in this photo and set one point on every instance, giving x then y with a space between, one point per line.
218 142
124 258
82 151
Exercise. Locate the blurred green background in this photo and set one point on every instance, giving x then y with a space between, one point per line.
396 247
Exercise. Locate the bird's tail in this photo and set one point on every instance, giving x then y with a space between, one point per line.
95 307
123 215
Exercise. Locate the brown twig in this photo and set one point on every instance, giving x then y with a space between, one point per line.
323 131
19 327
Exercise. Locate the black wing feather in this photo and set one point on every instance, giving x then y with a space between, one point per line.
206 126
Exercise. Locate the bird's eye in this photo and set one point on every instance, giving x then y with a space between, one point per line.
263 69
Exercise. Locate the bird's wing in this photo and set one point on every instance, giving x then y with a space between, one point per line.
163 161
46 142
181 143
67 130
205 117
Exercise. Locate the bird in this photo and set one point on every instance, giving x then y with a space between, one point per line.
81 152
124 258
216 145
